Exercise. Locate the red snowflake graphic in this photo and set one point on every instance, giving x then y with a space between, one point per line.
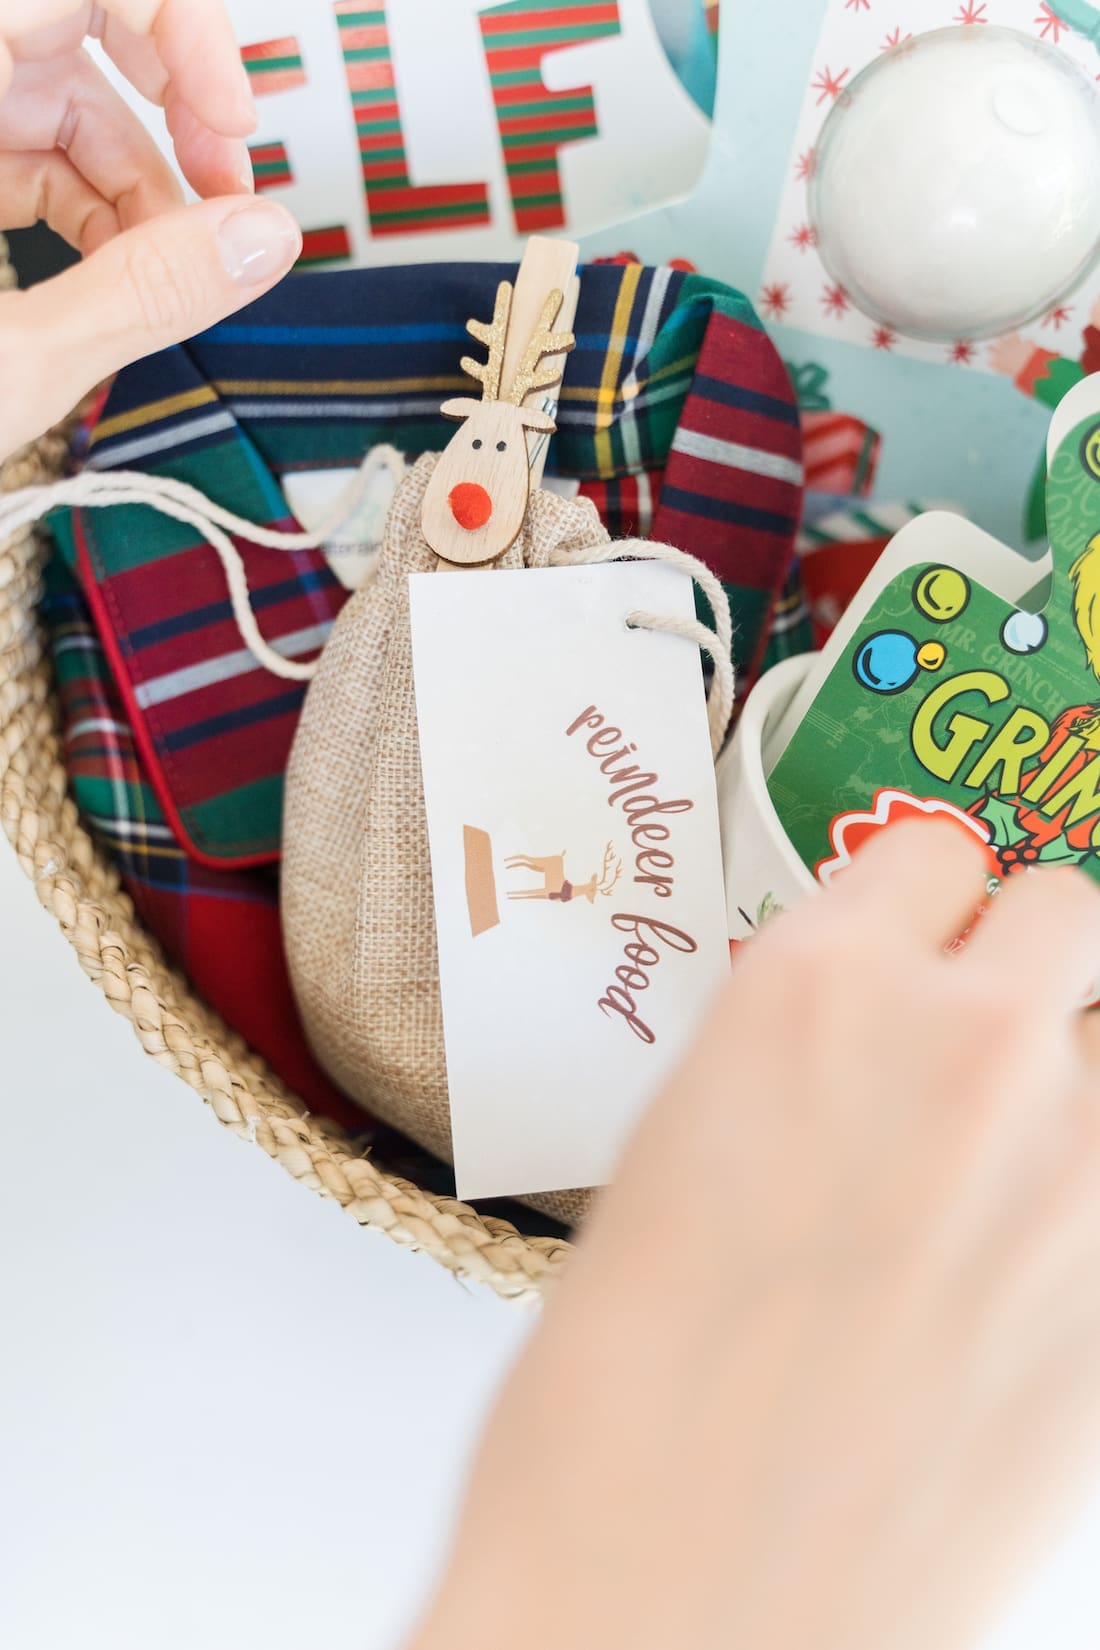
857 5
896 38
775 300
884 338
828 84
963 352
803 237
805 166
1058 317
972 12
836 300
1049 25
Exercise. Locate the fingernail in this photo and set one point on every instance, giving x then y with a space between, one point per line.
258 242
247 176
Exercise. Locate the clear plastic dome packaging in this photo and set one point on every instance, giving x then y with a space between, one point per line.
956 184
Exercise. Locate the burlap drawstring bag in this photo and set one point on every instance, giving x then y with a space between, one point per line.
358 917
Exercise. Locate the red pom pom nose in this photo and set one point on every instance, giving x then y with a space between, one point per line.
470 504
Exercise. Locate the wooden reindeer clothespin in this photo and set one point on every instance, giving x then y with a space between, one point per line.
477 498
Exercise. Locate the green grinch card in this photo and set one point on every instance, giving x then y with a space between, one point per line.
939 694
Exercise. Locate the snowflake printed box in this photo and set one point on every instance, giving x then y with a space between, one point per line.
796 288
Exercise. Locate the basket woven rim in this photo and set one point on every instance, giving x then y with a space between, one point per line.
80 887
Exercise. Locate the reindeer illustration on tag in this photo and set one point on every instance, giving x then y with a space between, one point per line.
481 885
555 883
477 498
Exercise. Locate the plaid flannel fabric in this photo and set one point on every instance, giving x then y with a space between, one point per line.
677 415
220 926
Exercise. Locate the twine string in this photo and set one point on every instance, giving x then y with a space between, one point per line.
184 503
716 643
188 505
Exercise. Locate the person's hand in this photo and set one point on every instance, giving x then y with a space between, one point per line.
72 153
1010 354
827 1364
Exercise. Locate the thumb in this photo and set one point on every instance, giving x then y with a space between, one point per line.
146 289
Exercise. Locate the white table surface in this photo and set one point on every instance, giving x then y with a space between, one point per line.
229 1418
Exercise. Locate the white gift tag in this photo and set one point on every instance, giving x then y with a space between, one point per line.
352 549
578 882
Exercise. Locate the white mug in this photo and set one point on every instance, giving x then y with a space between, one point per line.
763 872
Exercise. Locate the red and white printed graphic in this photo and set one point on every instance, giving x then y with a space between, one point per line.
828 85
775 301
835 300
1050 27
795 287
447 130
849 832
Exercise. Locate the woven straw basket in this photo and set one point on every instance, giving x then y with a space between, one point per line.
77 883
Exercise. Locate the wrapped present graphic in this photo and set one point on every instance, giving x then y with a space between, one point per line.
841 453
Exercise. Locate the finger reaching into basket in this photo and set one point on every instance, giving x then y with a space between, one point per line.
75 155
827 1367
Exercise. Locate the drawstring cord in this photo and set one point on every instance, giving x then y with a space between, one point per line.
716 643
184 503
99 489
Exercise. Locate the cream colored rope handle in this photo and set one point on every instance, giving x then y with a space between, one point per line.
184 503
717 643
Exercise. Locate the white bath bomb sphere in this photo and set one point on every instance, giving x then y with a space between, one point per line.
956 184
